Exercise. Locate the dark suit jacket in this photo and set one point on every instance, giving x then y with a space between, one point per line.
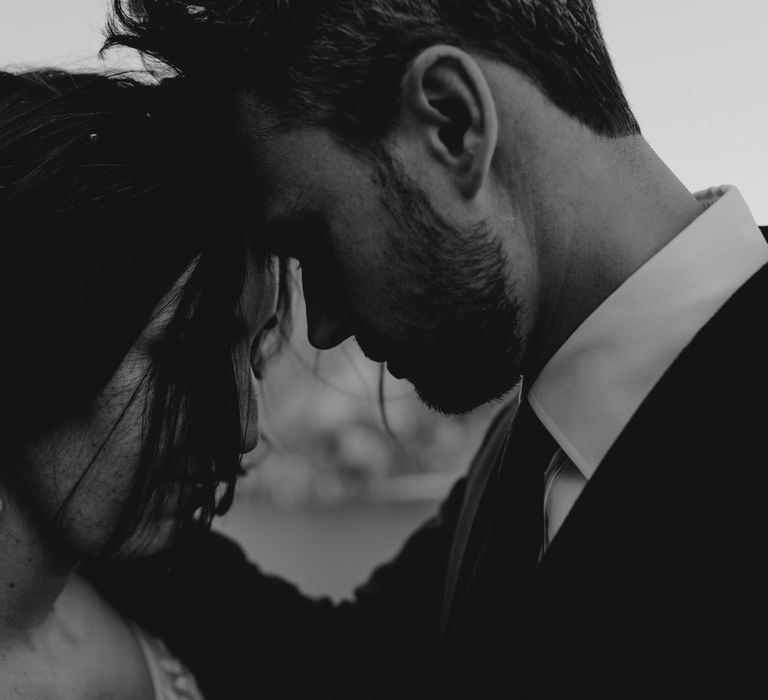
654 586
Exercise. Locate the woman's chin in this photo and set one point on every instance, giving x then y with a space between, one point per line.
154 539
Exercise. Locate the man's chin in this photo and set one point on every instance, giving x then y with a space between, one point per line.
452 398
394 369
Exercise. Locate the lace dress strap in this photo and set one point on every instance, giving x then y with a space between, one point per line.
170 678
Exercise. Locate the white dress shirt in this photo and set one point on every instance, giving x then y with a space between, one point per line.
595 382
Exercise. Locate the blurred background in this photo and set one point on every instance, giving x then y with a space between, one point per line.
333 493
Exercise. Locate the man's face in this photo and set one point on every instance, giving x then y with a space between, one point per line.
378 262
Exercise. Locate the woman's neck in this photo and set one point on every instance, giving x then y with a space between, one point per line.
35 566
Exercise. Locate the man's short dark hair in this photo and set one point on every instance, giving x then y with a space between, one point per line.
338 64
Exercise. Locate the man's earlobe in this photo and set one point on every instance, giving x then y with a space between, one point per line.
448 107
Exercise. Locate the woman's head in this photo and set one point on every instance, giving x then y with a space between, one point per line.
133 298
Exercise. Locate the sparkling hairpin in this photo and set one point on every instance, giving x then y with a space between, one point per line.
196 10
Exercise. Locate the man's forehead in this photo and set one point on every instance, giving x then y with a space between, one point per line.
254 117
281 180
276 147
299 174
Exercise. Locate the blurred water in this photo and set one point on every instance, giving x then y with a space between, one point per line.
324 550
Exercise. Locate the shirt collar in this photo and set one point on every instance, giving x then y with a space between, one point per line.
592 386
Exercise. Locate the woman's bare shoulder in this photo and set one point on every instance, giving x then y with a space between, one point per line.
85 650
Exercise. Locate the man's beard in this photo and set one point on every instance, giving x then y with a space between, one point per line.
458 334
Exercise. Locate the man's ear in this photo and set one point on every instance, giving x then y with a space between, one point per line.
449 110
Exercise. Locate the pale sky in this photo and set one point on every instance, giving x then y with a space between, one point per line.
695 72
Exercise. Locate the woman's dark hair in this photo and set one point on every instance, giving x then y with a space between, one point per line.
111 189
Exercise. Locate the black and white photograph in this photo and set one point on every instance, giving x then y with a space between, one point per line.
383 349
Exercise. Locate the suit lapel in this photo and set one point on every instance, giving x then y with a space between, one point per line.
470 527
641 516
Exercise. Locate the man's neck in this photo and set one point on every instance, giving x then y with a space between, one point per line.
616 206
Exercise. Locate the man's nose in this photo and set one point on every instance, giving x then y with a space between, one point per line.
328 322
326 327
